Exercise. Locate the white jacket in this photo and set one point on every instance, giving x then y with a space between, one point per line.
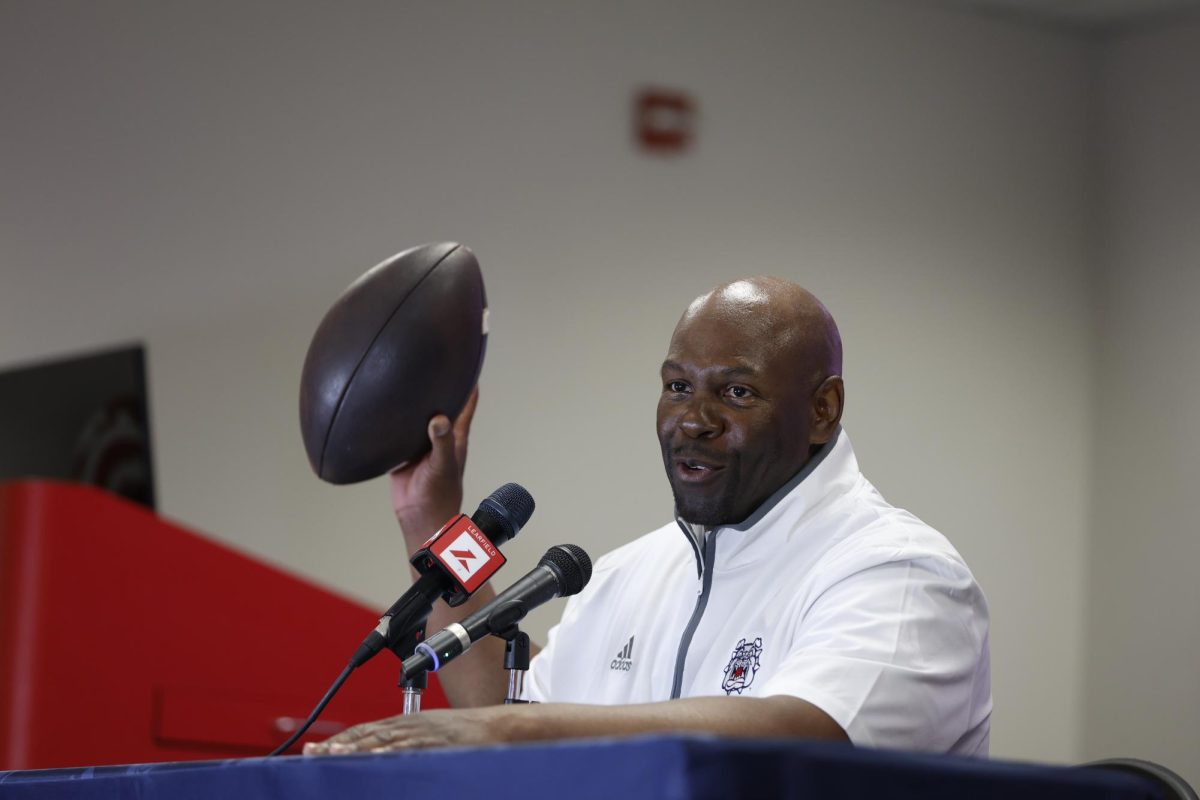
825 593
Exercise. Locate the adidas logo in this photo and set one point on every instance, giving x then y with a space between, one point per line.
624 660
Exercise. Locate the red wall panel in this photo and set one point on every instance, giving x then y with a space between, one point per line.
126 638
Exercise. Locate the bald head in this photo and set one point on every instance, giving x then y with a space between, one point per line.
751 388
779 311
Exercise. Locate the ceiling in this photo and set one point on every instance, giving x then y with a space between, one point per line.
1084 15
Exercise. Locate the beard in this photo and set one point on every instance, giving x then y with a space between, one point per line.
712 505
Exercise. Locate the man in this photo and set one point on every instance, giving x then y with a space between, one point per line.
787 599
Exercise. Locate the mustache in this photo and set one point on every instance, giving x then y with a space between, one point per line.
704 454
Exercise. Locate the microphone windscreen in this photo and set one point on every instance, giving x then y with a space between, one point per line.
572 565
504 512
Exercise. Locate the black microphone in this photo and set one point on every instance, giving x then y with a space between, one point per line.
563 571
453 563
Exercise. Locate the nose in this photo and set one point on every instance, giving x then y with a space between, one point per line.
700 420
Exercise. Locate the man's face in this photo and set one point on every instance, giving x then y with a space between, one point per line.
733 417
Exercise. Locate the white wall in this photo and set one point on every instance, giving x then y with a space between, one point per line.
209 176
1143 681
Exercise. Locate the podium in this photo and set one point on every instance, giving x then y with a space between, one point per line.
653 768
125 638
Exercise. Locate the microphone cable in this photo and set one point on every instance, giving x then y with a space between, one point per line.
316 712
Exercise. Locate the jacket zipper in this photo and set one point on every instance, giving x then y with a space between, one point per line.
710 550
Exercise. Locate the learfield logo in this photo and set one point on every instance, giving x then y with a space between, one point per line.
465 556
466 553
624 660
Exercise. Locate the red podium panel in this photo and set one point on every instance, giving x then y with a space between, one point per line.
125 638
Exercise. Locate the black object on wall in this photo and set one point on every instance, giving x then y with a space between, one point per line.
84 418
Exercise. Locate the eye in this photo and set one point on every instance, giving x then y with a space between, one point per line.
675 387
739 392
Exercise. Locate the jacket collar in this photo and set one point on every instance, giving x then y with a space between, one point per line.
832 469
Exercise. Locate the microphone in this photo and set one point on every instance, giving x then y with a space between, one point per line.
464 551
563 571
453 563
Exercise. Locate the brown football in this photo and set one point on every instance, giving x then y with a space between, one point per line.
403 343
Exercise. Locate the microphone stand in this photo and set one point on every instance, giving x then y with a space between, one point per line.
404 646
516 661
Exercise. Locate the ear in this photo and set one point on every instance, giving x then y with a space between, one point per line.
827 404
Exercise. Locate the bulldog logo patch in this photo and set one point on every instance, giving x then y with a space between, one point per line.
739 672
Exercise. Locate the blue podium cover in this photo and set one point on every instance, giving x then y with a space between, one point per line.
644 768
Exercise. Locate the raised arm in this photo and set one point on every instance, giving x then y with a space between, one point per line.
424 496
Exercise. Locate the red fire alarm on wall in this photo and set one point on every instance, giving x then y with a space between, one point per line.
664 121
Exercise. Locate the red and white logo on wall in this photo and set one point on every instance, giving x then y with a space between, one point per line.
664 120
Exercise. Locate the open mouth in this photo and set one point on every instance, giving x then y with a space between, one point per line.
693 469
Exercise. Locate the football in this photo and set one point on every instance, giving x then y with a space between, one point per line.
403 343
